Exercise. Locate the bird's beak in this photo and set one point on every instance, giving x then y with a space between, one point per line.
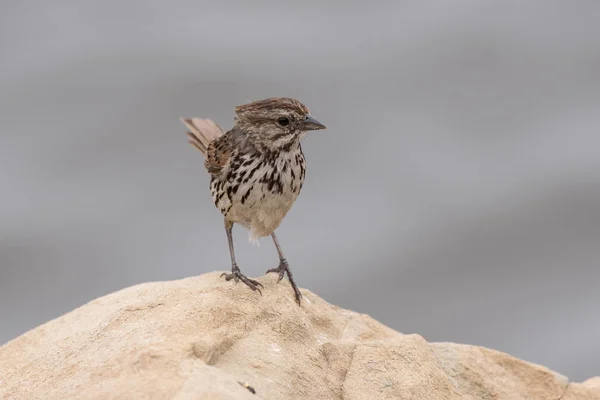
311 124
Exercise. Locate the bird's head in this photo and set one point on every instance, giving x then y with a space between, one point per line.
276 123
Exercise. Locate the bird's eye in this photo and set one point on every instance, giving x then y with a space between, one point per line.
283 121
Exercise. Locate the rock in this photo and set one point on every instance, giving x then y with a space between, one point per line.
204 338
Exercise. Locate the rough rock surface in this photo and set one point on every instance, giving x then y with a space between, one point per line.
198 338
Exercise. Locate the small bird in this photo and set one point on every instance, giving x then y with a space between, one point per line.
257 170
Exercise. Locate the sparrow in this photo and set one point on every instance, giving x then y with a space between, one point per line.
256 171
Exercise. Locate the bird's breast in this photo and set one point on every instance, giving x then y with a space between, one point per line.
259 191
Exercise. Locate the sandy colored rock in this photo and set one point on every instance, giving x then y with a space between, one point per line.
198 338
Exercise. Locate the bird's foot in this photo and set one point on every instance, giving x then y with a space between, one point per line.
281 270
236 275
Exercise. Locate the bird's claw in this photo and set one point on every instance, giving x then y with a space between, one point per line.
237 276
281 270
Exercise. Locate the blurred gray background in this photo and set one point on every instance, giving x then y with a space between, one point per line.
456 193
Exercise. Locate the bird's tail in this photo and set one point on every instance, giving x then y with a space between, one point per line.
201 132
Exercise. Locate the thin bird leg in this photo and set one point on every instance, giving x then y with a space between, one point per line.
235 274
283 268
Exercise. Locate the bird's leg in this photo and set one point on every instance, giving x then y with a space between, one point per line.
235 274
283 268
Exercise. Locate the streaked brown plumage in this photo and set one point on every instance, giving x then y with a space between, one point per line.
257 169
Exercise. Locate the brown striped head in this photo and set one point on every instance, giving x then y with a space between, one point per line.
277 122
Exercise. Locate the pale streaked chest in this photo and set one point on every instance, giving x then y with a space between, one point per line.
259 188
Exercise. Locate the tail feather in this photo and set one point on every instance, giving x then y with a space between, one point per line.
201 132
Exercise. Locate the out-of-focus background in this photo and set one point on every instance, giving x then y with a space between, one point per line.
455 194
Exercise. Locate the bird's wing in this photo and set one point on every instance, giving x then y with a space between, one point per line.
219 152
